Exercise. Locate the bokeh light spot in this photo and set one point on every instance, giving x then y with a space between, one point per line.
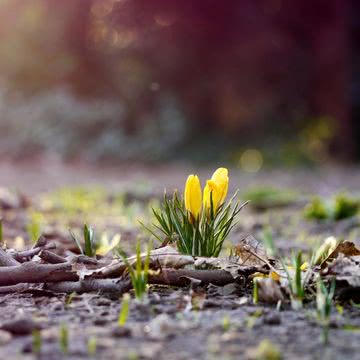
251 160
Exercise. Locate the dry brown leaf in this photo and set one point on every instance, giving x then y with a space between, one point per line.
347 248
269 290
250 251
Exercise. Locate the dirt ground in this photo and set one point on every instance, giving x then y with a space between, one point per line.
228 326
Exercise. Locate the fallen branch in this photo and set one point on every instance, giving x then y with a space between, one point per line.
14 288
6 259
26 255
118 287
181 277
52 258
31 272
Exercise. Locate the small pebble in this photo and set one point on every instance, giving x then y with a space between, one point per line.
100 321
21 326
272 319
121 332
5 337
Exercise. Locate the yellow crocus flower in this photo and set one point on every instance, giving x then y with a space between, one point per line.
214 191
221 178
193 196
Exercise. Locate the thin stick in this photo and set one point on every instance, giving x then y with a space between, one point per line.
25 255
52 258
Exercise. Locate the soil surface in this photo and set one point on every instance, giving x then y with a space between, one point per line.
227 325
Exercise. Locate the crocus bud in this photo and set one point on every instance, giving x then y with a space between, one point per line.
193 196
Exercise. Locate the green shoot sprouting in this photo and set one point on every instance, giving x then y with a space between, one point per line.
91 346
124 313
33 227
89 243
36 341
297 285
296 281
64 339
69 299
324 299
226 323
89 240
139 272
255 291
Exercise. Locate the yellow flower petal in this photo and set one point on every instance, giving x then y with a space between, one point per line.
221 178
213 192
193 196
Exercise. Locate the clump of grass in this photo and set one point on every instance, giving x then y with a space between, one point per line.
204 237
316 209
139 272
264 197
124 313
339 207
199 221
324 299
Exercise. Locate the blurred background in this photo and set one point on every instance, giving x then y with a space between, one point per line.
252 83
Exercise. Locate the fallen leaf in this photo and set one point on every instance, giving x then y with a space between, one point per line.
347 248
326 248
269 290
250 251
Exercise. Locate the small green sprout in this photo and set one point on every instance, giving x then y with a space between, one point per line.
36 341
139 272
33 227
124 313
297 285
89 240
255 291
226 323
296 281
89 243
92 346
69 299
64 339
324 299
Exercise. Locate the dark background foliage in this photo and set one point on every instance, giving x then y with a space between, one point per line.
163 79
